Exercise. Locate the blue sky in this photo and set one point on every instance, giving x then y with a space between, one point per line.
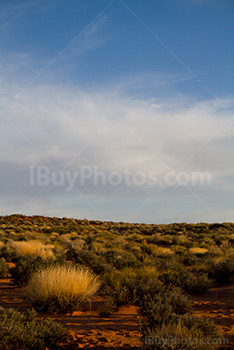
118 86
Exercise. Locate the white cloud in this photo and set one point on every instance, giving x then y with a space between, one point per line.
67 125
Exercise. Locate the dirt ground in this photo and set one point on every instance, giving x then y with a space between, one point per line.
120 331
86 329
218 306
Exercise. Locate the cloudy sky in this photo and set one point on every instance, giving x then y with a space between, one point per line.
117 110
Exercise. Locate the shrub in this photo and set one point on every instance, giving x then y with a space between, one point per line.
176 277
187 281
156 308
21 331
129 285
1 245
179 301
73 247
199 285
180 335
3 268
60 288
115 289
87 258
119 258
223 272
164 324
7 252
190 260
167 263
107 309
26 266
32 248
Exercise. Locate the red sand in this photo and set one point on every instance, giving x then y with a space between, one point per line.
120 330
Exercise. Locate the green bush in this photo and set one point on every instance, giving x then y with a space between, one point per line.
223 272
163 329
120 259
3 268
21 331
128 286
26 266
183 333
187 281
179 301
107 309
88 258
176 277
199 284
7 252
190 260
156 308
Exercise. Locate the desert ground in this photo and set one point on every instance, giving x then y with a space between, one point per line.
86 329
192 263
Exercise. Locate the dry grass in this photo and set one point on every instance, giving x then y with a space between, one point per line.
197 250
61 288
159 251
1 244
32 248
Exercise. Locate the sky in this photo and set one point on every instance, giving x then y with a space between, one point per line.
117 110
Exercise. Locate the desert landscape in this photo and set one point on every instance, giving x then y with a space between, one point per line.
116 175
147 283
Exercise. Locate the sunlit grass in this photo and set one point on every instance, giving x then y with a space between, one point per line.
32 248
61 288
198 250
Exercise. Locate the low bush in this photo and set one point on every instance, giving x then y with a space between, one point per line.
26 266
7 252
3 268
183 333
156 308
176 277
185 280
129 285
120 258
190 260
166 324
21 331
107 309
223 272
88 258
115 289
1 245
60 288
167 263
199 284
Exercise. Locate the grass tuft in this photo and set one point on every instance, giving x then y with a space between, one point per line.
61 288
32 248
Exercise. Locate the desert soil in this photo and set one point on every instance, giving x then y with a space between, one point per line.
218 306
120 331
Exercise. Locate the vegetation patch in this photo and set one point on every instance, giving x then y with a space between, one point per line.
61 288
21 331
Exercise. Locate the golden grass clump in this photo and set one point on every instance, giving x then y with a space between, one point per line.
198 250
32 248
61 288
159 251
